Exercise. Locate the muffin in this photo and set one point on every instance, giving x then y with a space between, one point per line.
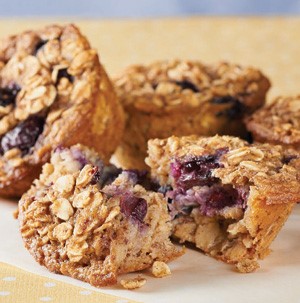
183 98
53 91
277 122
227 197
93 222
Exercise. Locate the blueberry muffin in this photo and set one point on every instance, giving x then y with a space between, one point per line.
277 122
53 91
93 222
184 98
228 197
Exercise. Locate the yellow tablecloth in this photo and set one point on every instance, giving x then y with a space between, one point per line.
19 286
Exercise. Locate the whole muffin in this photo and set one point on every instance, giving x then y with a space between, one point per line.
183 98
53 92
277 122
228 197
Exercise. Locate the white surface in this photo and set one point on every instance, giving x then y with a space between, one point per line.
195 277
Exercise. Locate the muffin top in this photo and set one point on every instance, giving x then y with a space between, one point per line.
272 171
177 85
277 122
47 77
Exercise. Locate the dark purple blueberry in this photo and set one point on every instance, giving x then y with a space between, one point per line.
39 45
133 207
142 177
154 85
209 200
108 175
287 159
63 73
196 171
8 94
24 135
235 110
249 137
218 198
136 176
183 84
187 85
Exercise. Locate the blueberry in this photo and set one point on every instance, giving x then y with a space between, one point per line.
235 110
133 207
24 135
8 94
142 177
249 137
39 45
63 73
218 197
187 85
196 171
288 159
108 175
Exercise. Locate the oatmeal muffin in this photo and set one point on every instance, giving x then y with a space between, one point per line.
184 98
226 196
277 122
93 222
53 91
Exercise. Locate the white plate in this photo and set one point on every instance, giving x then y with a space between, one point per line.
195 277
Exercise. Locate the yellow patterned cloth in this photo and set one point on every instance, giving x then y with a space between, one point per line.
18 286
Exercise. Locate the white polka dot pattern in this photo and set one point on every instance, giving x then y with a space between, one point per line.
9 279
49 284
46 299
85 292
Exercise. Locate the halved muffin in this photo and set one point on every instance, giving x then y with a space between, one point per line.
228 197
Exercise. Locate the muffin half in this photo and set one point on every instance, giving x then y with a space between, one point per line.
228 197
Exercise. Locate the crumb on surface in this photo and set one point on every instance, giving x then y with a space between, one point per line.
134 283
160 269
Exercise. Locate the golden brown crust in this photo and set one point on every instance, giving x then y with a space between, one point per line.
277 122
63 81
75 227
270 172
183 98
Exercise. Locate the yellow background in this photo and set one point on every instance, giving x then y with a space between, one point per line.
272 44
